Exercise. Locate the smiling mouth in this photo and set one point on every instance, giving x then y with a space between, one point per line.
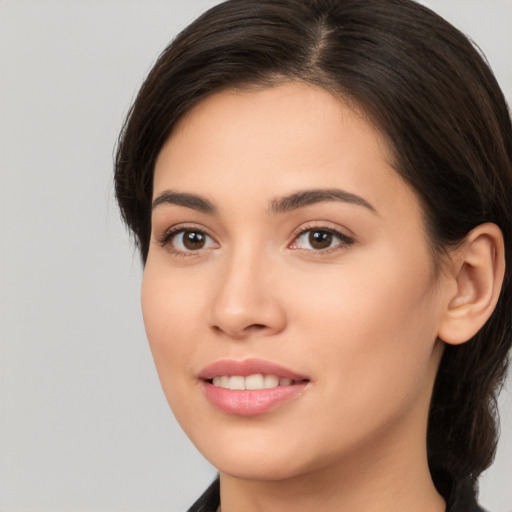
250 387
247 395
252 382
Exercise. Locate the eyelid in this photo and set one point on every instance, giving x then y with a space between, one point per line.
168 234
345 240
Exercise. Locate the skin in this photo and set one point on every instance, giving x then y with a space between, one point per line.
360 319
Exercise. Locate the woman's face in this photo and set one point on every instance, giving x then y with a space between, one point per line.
289 261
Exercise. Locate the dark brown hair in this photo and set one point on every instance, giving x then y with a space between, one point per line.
426 88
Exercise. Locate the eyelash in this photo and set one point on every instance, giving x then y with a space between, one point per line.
344 240
172 232
169 234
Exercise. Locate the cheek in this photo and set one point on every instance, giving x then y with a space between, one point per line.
374 330
171 300
171 309
371 296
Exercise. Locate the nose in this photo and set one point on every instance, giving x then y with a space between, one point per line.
246 299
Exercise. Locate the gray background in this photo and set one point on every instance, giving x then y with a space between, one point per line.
84 424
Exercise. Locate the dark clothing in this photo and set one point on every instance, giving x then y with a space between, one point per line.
209 501
460 499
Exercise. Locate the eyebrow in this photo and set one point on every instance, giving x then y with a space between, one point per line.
184 199
281 205
309 197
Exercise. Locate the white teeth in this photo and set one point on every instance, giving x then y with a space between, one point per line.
270 381
251 382
254 381
221 382
236 382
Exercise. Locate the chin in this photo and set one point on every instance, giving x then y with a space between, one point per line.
263 459
246 455
257 470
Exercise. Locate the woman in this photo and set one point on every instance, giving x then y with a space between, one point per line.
320 191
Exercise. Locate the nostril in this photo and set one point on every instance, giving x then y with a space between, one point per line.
255 327
239 333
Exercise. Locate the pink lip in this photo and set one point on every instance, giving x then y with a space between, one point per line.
247 367
250 402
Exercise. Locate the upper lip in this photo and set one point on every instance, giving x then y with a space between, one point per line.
230 367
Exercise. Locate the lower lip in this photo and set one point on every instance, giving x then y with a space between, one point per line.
251 402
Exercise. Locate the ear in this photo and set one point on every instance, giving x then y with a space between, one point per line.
476 270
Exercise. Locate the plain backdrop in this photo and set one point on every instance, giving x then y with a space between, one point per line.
84 424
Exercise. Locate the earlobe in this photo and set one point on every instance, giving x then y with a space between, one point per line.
478 268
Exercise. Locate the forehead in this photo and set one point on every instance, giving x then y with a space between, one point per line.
276 140
290 128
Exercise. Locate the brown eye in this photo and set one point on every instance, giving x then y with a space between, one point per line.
188 241
193 240
320 239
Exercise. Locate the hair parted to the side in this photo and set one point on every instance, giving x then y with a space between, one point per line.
429 92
